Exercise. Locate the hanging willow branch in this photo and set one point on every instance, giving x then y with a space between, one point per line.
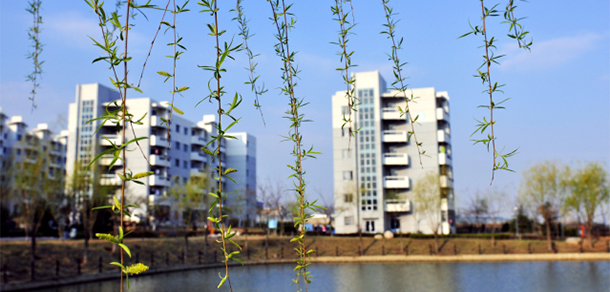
399 84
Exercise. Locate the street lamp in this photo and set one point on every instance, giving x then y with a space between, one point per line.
517 221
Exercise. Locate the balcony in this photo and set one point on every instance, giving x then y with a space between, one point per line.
110 179
158 140
441 115
198 140
443 137
114 138
158 180
159 160
396 182
198 156
107 159
446 182
392 113
444 159
155 121
396 159
397 206
197 172
393 136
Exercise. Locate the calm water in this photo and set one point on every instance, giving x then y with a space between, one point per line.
495 277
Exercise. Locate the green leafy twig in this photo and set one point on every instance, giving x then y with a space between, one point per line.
492 87
222 53
519 32
346 58
34 36
244 31
119 117
289 74
398 83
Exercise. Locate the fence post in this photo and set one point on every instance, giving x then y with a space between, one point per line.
480 248
383 250
282 252
504 248
78 266
430 248
454 249
581 249
267 252
215 256
183 256
529 247
607 246
56 268
167 258
406 250
336 251
199 257
152 259
99 267
248 252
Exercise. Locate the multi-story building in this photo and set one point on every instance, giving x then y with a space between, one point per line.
241 155
374 171
24 151
178 158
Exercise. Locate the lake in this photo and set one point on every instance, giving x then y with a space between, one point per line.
485 276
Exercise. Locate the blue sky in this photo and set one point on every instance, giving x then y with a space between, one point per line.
560 91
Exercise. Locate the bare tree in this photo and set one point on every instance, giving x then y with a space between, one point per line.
272 195
495 206
190 201
32 183
85 190
478 209
427 201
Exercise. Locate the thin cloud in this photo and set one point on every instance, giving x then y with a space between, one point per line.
74 29
548 54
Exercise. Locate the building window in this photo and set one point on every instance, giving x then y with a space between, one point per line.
346 153
177 162
178 128
370 226
348 175
349 198
345 110
185 148
349 220
186 131
185 164
178 145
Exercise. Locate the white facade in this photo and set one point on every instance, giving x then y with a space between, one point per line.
241 155
19 145
379 165
179 158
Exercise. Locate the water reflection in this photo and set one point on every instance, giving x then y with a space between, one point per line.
496 277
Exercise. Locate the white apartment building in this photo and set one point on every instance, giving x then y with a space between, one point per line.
375 171
241 155
180 159
18 145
